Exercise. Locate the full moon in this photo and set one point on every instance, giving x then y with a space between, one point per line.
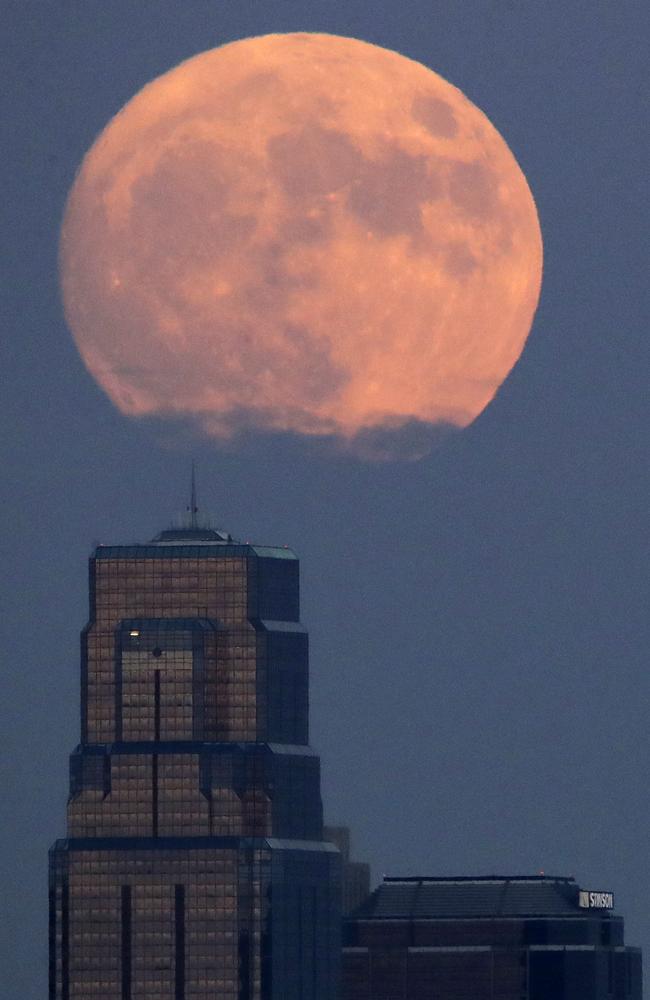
303 233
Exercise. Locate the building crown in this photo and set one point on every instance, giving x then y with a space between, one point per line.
191 527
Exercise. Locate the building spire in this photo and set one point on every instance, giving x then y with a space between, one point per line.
193 509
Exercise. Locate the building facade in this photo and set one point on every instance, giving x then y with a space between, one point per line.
525 938
194 866
355 875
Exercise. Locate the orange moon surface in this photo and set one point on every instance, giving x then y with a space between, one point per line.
300 232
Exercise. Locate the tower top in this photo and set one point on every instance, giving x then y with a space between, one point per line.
192 528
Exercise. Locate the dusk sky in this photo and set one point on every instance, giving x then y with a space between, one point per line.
478 618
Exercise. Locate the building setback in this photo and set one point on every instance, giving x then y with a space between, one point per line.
194 864
355 875
496 938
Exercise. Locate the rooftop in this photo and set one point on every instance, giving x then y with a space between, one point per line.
420 897
190 536
194 538
191 545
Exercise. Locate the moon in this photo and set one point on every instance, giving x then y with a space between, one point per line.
305 233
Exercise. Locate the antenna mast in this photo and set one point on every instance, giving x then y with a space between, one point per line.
193 507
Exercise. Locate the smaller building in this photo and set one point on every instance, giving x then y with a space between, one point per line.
488 938
355 875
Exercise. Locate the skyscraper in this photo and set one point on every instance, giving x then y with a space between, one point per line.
194 866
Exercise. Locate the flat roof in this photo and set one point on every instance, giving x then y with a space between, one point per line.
195 550
192 543
430 897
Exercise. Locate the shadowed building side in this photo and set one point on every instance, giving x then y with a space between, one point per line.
194 864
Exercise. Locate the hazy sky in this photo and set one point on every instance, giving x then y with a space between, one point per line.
478 618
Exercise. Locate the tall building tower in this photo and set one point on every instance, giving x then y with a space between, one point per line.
194 866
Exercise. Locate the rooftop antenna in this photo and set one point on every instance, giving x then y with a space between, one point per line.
193 509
